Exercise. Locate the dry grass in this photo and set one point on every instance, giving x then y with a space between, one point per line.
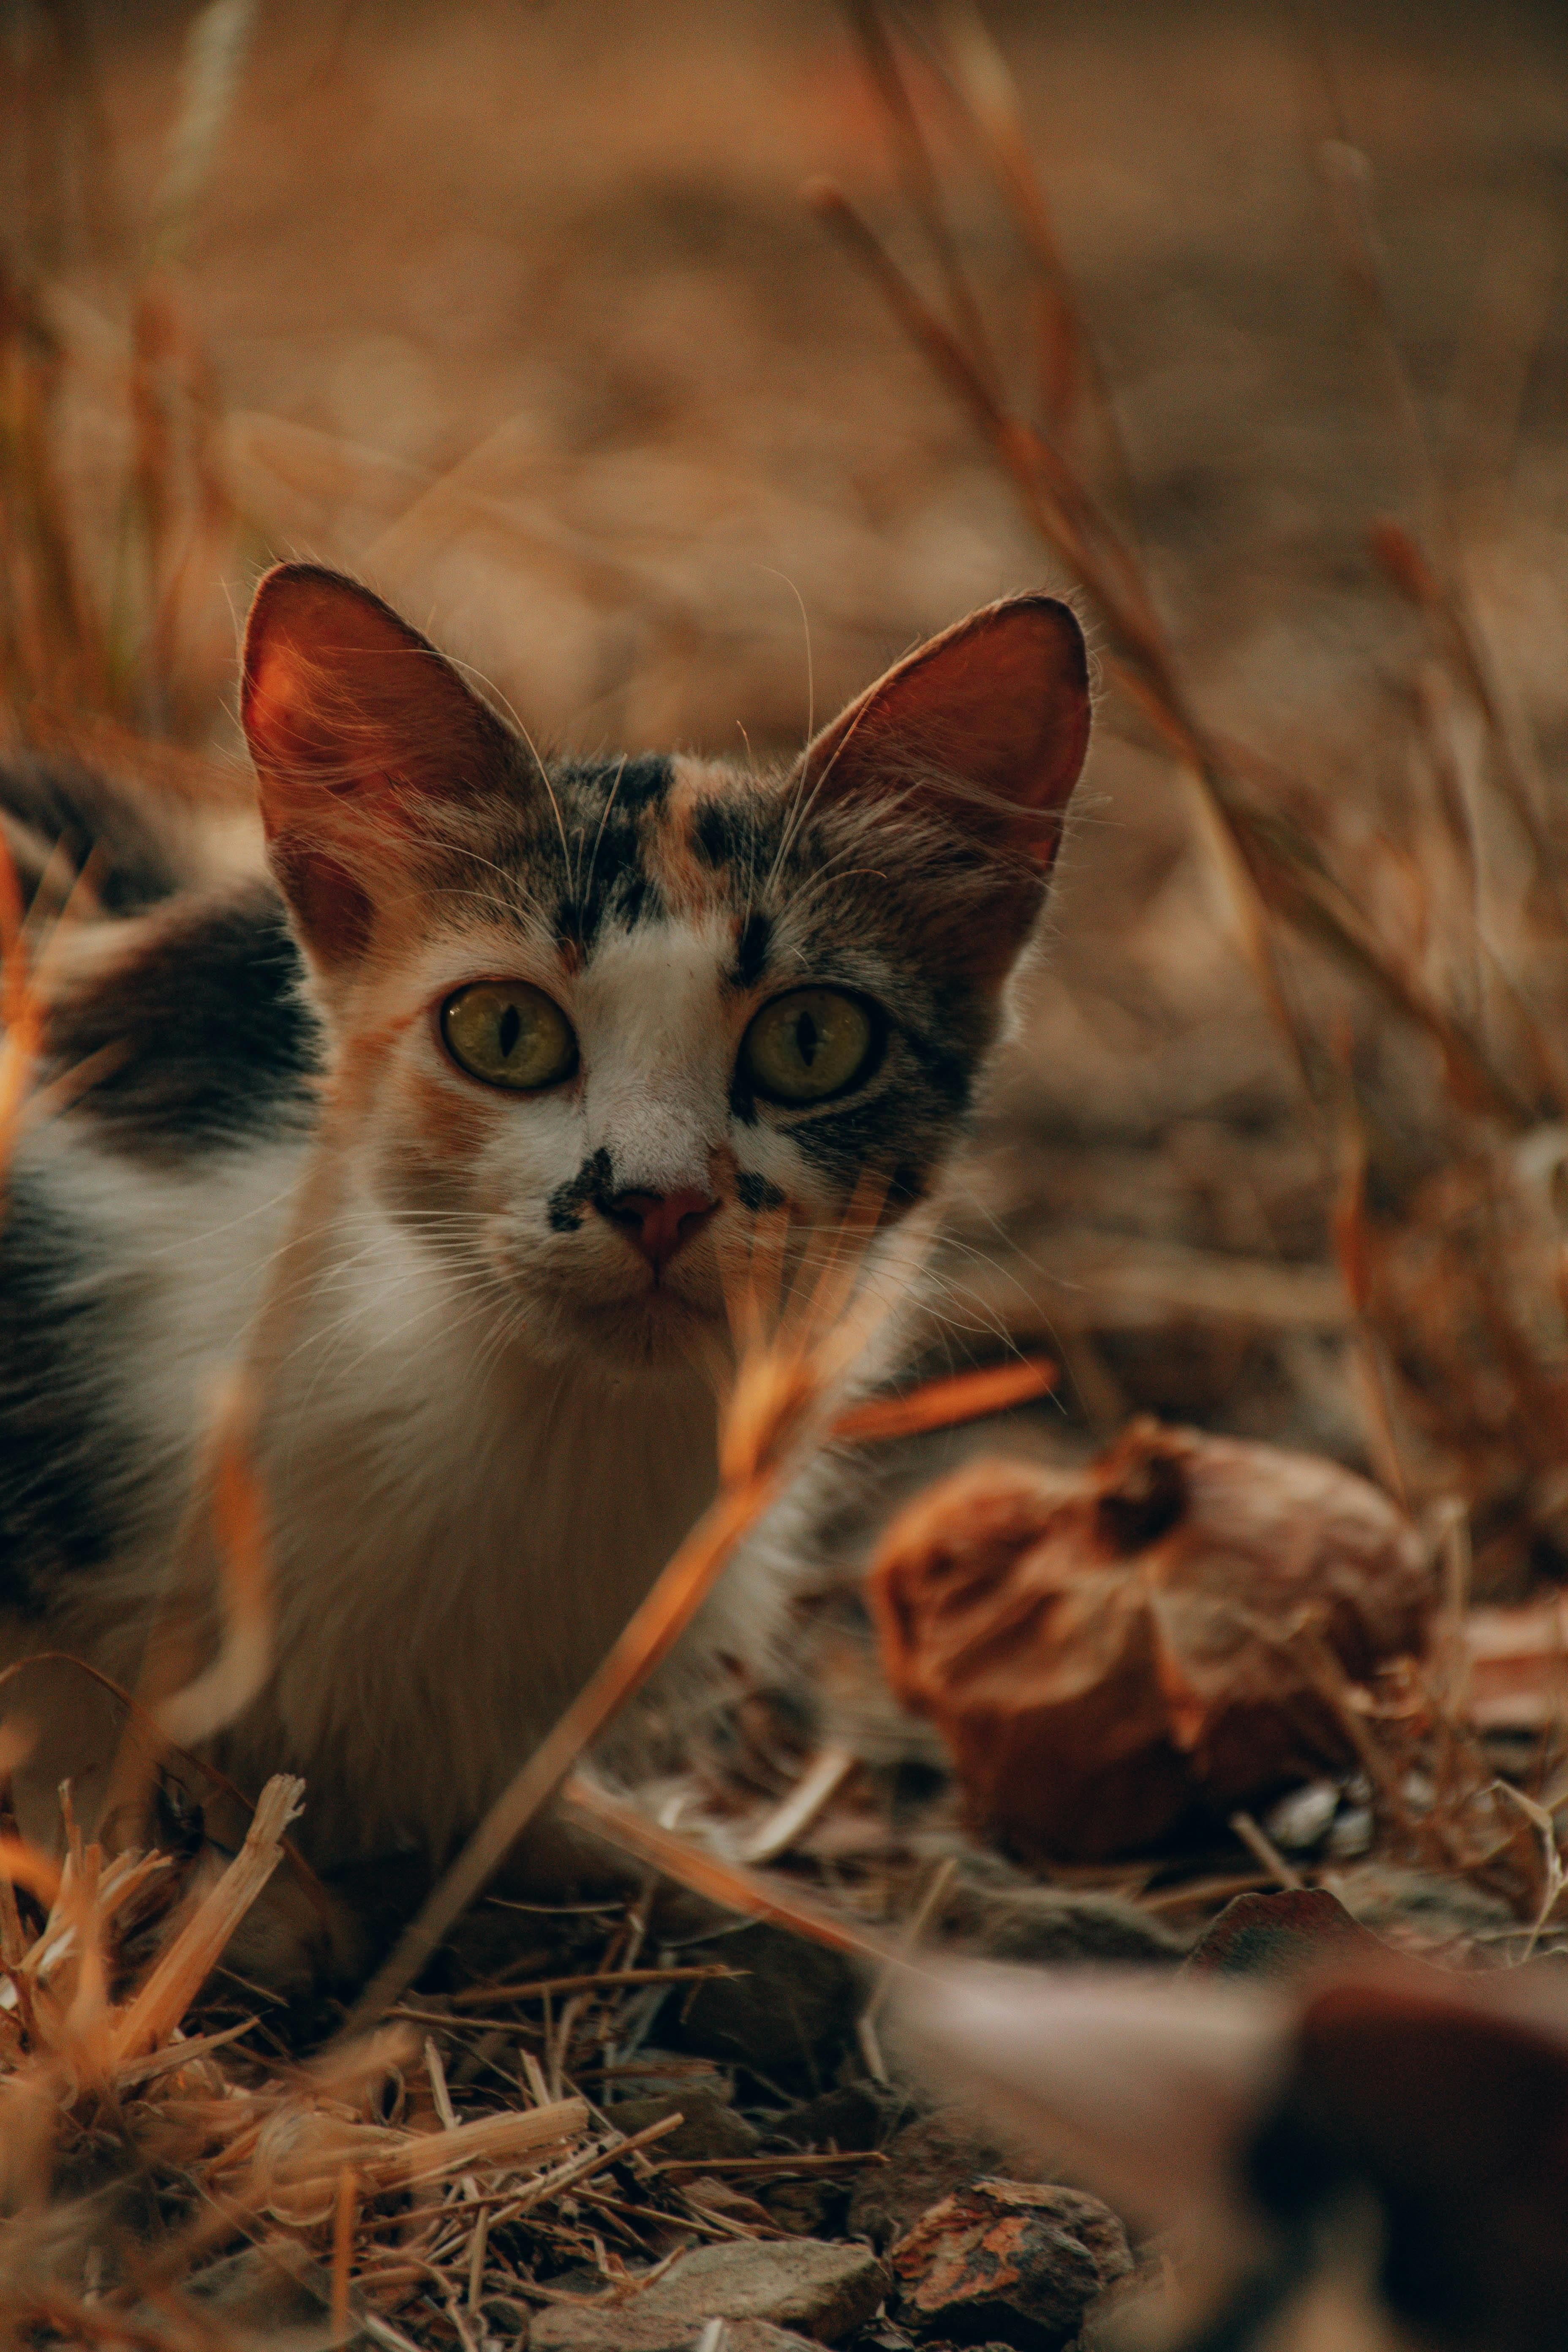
1386 1240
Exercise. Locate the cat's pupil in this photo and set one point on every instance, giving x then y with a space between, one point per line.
510 1030
806 1039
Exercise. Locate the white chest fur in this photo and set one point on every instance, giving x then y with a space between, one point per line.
458 1534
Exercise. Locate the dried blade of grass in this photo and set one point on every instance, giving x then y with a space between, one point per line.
481 1996
441 505
724 1882
13 1944
921 187
181 1969
491 2141
21 1015
774 2168
1071 378
944 1404
215 52
133 2072
1264 1850
245 1584
1293 884
85 2027
438 2090
940 347
478 2250
816 1788
1437 585
594 2159
909 1940
24 1866
1440 595
1246 906
1352 1250
345 2222
1555 1878
1345 173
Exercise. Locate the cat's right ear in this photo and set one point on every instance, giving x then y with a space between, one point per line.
359 729
989 723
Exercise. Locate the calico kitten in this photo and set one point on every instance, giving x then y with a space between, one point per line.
450 1125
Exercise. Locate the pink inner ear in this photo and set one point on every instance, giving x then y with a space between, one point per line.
341 694
999 704
352 720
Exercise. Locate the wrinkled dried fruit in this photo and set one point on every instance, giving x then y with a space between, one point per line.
1104 1649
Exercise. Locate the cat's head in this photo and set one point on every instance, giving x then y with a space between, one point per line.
592 1019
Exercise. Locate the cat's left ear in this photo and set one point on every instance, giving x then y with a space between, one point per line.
360 731
987 725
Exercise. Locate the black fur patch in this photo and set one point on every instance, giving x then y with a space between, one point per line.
58 805
206 1037
600 871
756 1193
640 784
751 951
68 1466
725 835
564 1207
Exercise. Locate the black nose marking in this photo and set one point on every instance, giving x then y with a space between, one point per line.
564 1207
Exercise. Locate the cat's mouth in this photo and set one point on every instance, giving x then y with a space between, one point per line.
613 1307
659 1323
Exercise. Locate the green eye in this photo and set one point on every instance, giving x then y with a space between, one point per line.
809 1045
508 1034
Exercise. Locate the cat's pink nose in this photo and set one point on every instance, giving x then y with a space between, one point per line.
659 1223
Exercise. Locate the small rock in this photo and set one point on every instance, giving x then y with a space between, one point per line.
812 2208
1352 1834
819 2290
1299 1820
788 2018
712 2130
1008 2257
927 2161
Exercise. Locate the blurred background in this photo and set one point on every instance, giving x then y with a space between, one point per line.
517 308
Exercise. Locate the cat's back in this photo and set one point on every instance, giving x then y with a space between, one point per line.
145 1190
